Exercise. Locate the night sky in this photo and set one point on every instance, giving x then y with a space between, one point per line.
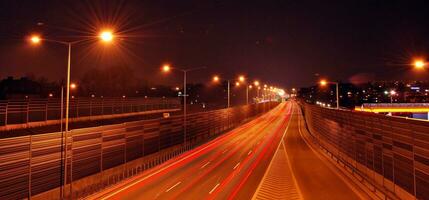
283 42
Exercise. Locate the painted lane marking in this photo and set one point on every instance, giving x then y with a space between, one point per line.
178 183
236 165
205 165
214 188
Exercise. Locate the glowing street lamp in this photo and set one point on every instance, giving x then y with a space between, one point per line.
324 82
216 78
105 36
168 68
241 78
419 64
35 39
256 83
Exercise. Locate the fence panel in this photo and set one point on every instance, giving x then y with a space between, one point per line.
30 165
391 152
39 110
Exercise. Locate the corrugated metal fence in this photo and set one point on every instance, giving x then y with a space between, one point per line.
388 151
30 165
37 110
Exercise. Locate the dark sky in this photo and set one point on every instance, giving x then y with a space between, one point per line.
282 42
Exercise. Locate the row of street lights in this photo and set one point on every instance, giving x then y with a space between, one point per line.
239 80
108 36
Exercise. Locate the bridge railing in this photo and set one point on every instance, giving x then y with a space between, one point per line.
101 156
39 110
392 153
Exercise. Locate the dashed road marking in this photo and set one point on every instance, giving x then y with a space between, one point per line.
205 165
178 183
236 165
214 188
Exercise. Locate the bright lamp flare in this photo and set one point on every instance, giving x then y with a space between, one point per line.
106 36
35 39
323 82
419 64
73 85
215 78
166 68
256 83
237 83
241 78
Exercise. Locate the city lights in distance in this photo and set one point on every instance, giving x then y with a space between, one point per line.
237 83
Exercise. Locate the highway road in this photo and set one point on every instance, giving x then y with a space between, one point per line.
233 165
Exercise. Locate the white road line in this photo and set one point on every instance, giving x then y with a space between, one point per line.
217 185
236 165
205 165
224 151
249 152
178 183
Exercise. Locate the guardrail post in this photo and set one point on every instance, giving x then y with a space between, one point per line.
77 107
5 114
102 106
28 111
90 108
46 110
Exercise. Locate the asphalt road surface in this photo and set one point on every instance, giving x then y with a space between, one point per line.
232 166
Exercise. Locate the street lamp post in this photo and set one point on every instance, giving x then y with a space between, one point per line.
239 79
105 36
324 82
167 68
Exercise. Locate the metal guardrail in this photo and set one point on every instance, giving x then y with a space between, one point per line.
39 110
32 164
392 153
